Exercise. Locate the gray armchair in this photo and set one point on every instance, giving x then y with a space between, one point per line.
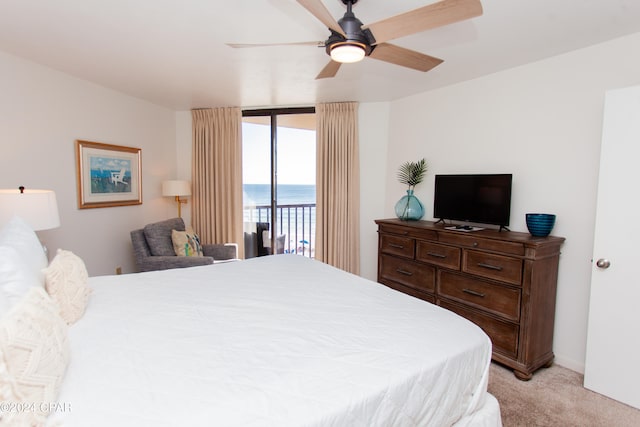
153 248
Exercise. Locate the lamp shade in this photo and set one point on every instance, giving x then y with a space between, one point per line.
38 208
176 188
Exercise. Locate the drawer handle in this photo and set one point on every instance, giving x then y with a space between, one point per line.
436 255
393 245
405 272
474 293
489 266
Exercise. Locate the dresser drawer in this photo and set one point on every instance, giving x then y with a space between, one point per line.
456 238
498 267
397 245
410 291
504 335
441 255
402 230
500 300
408 273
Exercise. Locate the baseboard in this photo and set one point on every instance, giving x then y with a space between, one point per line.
569 364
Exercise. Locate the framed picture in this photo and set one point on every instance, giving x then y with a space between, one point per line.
108 175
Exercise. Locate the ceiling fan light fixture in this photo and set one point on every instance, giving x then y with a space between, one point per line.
348 52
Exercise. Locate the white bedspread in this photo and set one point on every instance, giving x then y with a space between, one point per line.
272 341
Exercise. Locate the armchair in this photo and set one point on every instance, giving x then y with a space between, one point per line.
264 240
258 243
153 248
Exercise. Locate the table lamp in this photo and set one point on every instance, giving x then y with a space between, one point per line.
176 188
38 208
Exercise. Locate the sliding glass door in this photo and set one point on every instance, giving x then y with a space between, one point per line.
279 172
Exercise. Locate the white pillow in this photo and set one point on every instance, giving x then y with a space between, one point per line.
16 278
35 353
66 281
18 235
266 238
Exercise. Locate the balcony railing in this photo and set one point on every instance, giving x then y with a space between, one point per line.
296 222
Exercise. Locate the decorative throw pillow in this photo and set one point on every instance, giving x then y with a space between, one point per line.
7 394
35 353
186 243
66 281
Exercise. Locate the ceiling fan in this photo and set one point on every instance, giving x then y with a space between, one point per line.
351 41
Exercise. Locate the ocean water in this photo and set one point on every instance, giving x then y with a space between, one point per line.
287 194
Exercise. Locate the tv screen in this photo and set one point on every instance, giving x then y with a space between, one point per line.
484 199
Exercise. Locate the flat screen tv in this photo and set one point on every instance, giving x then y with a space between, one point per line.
483 199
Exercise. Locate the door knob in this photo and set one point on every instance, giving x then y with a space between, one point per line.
603 263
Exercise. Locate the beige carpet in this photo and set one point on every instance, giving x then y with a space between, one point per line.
555 397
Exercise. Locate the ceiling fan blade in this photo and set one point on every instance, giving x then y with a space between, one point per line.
404 57
330 70
424 18
319 10
246 45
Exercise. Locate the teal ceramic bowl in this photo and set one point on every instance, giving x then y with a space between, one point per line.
540 224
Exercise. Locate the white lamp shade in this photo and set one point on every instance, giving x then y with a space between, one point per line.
347 53
38 208
176 188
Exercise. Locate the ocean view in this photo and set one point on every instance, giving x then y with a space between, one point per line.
288 194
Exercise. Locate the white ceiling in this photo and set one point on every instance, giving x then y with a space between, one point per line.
173 52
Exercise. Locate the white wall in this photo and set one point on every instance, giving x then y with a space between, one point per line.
42 113
543 123
373 132
184 150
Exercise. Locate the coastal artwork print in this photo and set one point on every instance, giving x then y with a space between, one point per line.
108 175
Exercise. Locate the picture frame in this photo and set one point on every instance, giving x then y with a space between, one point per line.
108 175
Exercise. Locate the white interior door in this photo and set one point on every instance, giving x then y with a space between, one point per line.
613 338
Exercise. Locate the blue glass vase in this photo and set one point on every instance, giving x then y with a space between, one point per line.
409 208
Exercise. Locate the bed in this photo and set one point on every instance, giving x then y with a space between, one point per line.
272 341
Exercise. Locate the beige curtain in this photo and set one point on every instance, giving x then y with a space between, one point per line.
338 186
217 176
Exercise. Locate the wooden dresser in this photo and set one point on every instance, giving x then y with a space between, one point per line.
503 281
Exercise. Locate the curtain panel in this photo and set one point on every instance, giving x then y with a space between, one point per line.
338 186
217 175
